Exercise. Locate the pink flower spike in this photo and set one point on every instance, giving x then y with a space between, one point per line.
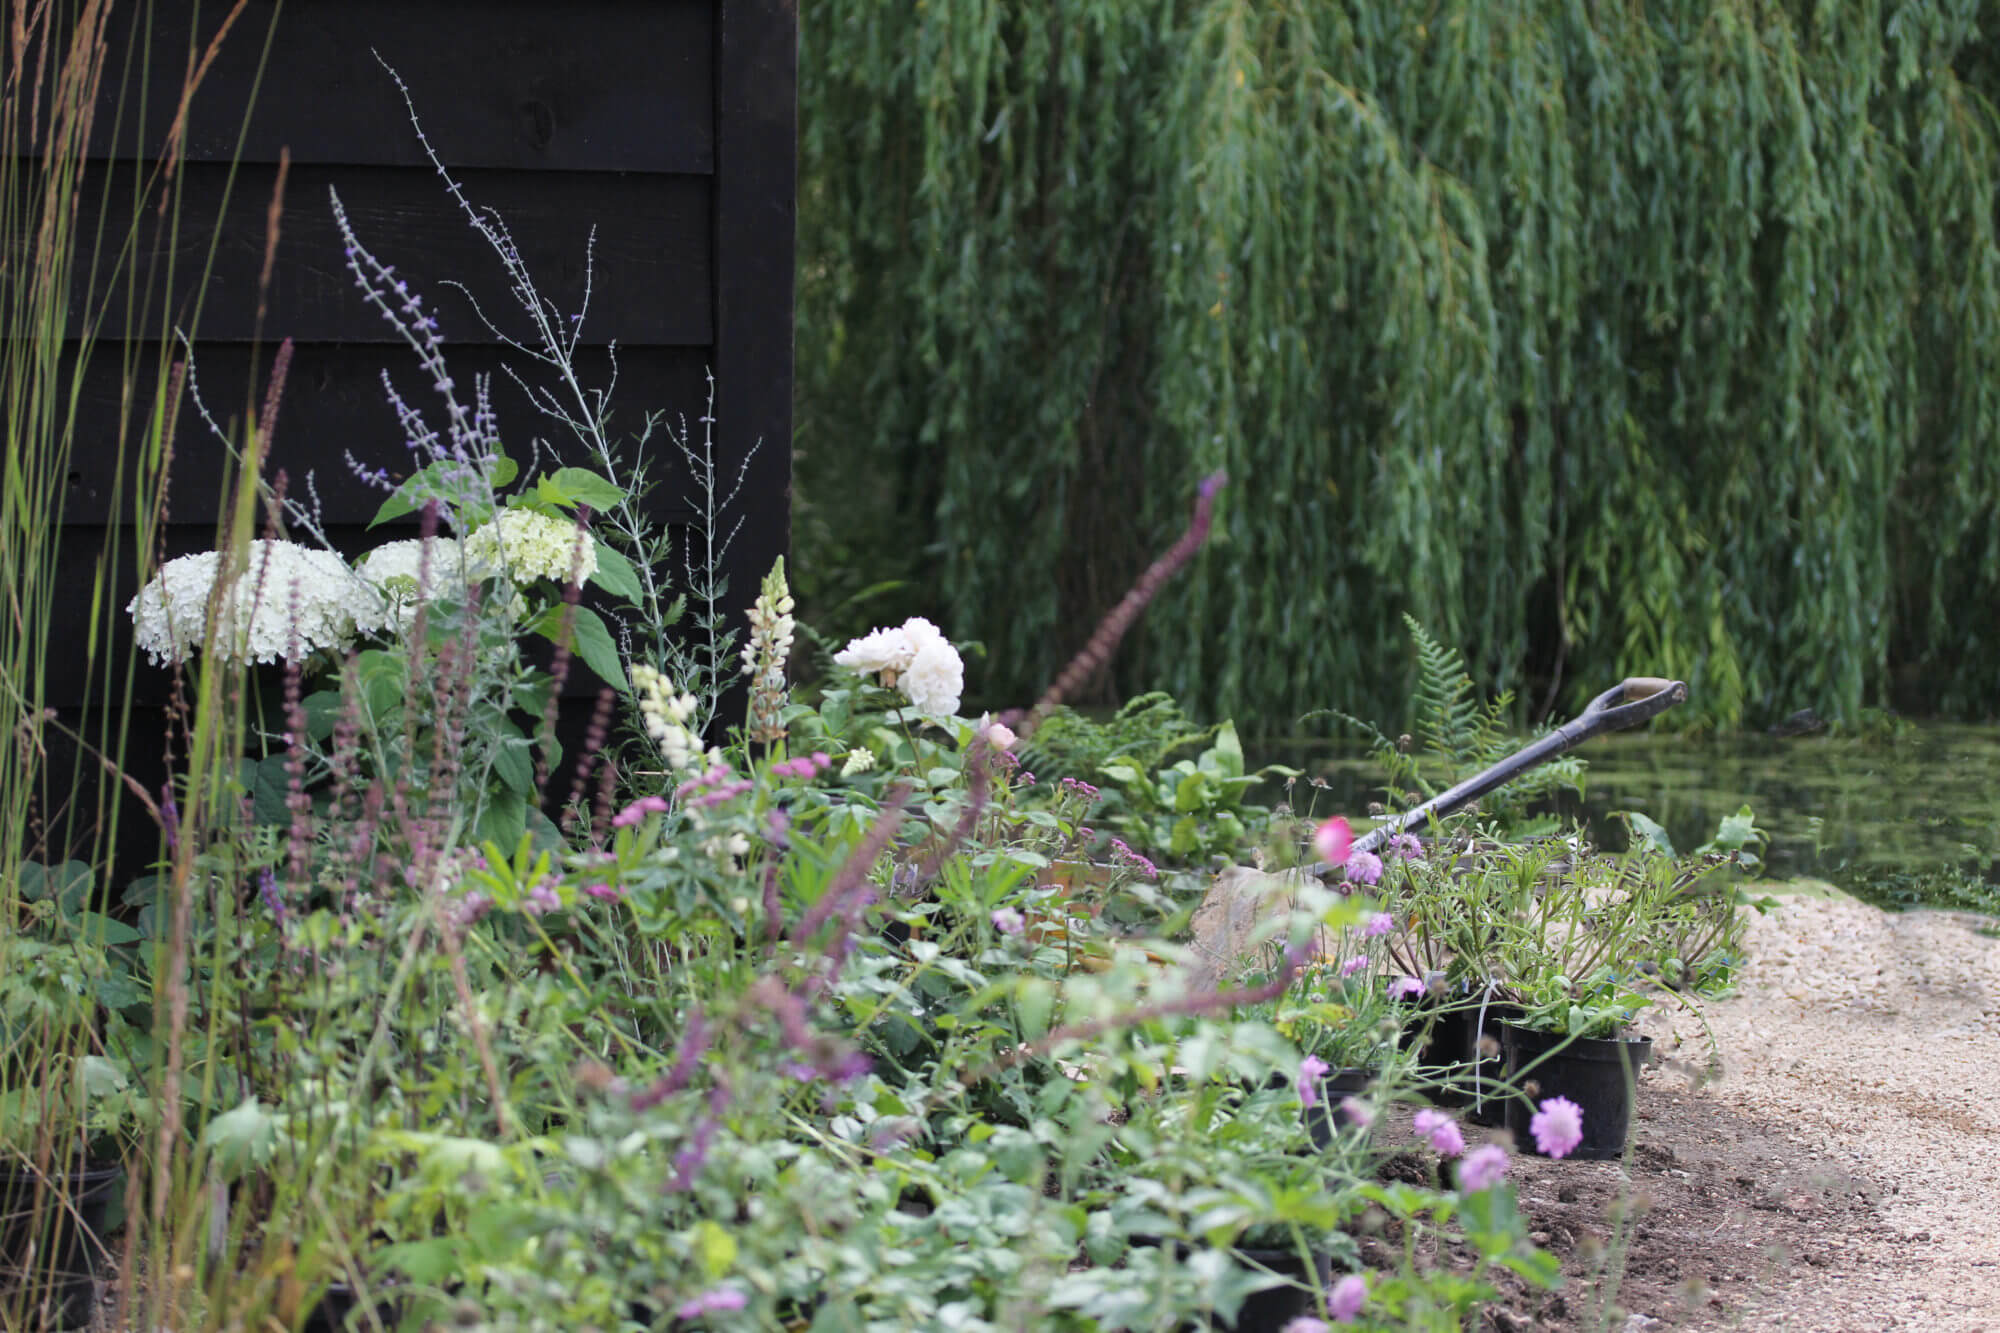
1482 1168
1332 840
1379 924
1310 1070
1364 868
1443 1132
1349 1294
1557 1127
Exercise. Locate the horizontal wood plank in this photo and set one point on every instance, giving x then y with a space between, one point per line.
581 85
649 266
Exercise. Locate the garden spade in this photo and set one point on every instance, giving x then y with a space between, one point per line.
1628 703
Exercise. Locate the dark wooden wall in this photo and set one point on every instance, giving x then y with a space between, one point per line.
667 125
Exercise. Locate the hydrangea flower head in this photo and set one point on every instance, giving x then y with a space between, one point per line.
1557 1127
532 545
406 574
287 598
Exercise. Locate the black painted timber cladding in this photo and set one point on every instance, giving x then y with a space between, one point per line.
667 126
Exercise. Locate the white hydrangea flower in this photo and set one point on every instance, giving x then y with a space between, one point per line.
394 568
884 650
288 597
531 545
935 679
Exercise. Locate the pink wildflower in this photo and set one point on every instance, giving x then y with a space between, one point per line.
1305 1323
1407 846
1405 988
605 892
1442 1131
1349 1294
1364 868
1482 1168
638 810
1310 1070
1008 921
1557 1127
1332 840
541 899
720 1301
1379 924
1357 1112
1353 965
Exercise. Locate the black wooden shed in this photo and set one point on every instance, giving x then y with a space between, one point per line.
667 126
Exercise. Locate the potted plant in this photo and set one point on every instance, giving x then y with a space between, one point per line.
1571 961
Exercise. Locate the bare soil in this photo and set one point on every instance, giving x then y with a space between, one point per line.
1838 1172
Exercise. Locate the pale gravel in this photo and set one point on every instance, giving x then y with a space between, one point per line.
1875 1037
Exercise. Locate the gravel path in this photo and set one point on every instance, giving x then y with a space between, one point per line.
1876 1039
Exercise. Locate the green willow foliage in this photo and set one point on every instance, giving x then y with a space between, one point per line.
1601 338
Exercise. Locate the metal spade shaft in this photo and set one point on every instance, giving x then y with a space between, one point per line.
1628 703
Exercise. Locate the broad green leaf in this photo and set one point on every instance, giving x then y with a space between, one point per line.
572 486
593 642
1228 751
616 575
1648 832
715 1248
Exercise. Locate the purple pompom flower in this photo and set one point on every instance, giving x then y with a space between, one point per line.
1557 1127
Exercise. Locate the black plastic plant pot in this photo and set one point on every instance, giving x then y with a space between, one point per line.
1268 1311
49 1253
1599 1076
335 1312
1325 1118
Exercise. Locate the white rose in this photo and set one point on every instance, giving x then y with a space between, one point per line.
935 680
999 737
878 650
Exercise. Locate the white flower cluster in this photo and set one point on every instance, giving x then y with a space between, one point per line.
771 628
288 597
666 717
914 657
531 545
394 569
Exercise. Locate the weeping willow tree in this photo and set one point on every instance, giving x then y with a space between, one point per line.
1602 338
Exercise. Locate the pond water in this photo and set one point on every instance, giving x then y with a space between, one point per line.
1907 820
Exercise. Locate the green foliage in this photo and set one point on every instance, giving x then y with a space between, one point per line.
1453 736
1194 808
1143 731
1664 339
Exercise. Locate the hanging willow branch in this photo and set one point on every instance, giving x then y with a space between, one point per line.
1656 339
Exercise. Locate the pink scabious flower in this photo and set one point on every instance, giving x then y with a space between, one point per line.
1332 840
1407 846
1353 965
1405 988
1482 1168
540 899
1310 1070
638 810
1357 1112
1008 921
1349 1294
722 1300
1441 1130
605 892
1305 1323
1379 924
1364 868
1557 1127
